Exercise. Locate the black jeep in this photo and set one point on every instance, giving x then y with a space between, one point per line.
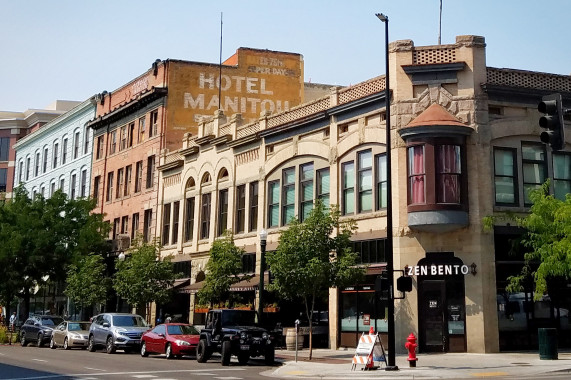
232 332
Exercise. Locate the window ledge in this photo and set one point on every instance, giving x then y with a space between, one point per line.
437 221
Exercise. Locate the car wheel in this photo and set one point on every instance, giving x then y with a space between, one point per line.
66 344
23 340
168 351
270 355
52 343
109 346
226 352
91 344
202 353
243 357
144 352
40 340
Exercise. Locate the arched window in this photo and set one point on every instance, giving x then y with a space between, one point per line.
223 175
190 184
206 179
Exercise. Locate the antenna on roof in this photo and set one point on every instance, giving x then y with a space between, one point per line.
220 65
440 23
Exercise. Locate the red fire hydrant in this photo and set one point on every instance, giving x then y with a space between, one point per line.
411 345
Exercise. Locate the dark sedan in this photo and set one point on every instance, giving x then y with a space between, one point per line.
171 339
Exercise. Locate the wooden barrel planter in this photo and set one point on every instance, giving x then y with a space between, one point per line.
290 340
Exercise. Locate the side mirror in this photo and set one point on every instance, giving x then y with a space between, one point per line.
105 324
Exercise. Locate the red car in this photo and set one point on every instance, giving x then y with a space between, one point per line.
172 339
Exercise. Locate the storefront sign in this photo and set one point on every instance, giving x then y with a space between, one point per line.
437 270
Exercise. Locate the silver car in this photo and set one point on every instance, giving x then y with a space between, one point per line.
116 331
70 334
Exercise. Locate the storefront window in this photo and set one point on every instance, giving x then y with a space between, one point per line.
360 310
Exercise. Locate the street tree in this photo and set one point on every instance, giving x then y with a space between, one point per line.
142 278
222 270
312 257
87 282
41 237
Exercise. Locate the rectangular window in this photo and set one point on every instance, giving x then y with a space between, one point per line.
3 179
189 219
505 176
128 178
154 121
305 191
52 188
86 141
45 167
4 148
147 223
109 196
141 129
96 184
416 175
348 178
222 211
135 225
83 189
288 194
72 186
36 168
175 215
534 169
365 162
138 176
249 263
116 227
113 147
323 186
205 216
125 225
240 208
100 143
561 175
28 165
61 184
20 171
381 181
131 134
64 152
76 145
119 183
123 138
150 171
253 218
273 203
166 223
448 172
55 155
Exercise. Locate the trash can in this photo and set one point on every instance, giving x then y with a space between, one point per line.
547 343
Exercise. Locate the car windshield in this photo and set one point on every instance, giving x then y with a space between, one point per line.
77 326
182 330
51 321
129 321
238 318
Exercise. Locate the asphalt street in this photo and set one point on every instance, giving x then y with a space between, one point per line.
31 362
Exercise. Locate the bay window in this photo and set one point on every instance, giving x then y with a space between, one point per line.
416 174
448 171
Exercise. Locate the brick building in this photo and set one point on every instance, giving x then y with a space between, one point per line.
465 144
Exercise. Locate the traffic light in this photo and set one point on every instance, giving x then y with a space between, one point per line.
552 107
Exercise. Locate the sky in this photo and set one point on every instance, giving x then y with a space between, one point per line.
73 49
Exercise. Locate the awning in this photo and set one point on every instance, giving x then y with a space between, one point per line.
192 288
180 282
241 286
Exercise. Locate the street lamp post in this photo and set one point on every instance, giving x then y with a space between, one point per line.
263 238
391 365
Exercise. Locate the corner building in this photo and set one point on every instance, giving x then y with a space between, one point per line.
153 112
465 145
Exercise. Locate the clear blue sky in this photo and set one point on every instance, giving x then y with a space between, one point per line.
72 49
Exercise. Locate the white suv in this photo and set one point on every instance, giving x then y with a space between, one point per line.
116 331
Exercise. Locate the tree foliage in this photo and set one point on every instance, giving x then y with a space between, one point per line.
142 278
41 237
222 270
548 237
312 257
87 282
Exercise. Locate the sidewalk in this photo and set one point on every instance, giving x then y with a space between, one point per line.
331 364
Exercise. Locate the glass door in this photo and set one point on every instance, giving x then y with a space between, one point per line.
433 333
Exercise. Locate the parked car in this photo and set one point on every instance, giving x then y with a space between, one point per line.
70 334
38 329
171 339
233 332
116 331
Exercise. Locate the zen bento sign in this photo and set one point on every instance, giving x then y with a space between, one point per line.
437 270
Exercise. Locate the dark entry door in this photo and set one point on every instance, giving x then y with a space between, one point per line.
433 333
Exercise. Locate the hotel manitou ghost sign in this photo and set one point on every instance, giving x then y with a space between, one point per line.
251 81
